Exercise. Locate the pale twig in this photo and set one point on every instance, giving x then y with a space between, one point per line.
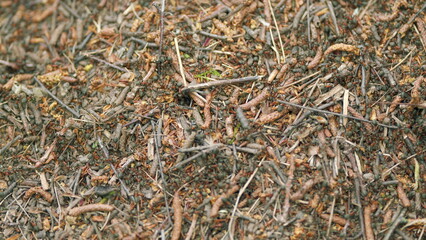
361 15
288 185
333 16
240 193
192 227
331 216
395 224
301 80
274 47
211 35
108 63
221 83
336 114
123 184
410 21
180 62
199 148
56 98
405 58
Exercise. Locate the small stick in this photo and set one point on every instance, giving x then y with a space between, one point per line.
9 64
247 150
123 184
333 204
108 63
219 9
336 114
303 116
199 148
298 16
359 188
278 31
405 58
211 35
145 43
46 155
56 98
85 41
178 217
180 63
8 190
333 16
192 227
288 185
90 208
359 116
192 87
240 193
410 21
363 81
303 79
274 48
195 96
181 164
10 143
395 224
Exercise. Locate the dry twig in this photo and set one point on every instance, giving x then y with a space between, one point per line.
192 87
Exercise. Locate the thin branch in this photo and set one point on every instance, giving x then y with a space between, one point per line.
336 114
10 143
180 62
108 63
333 16
221 83
56 98
240 194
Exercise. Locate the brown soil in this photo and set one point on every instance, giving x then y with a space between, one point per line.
270 122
